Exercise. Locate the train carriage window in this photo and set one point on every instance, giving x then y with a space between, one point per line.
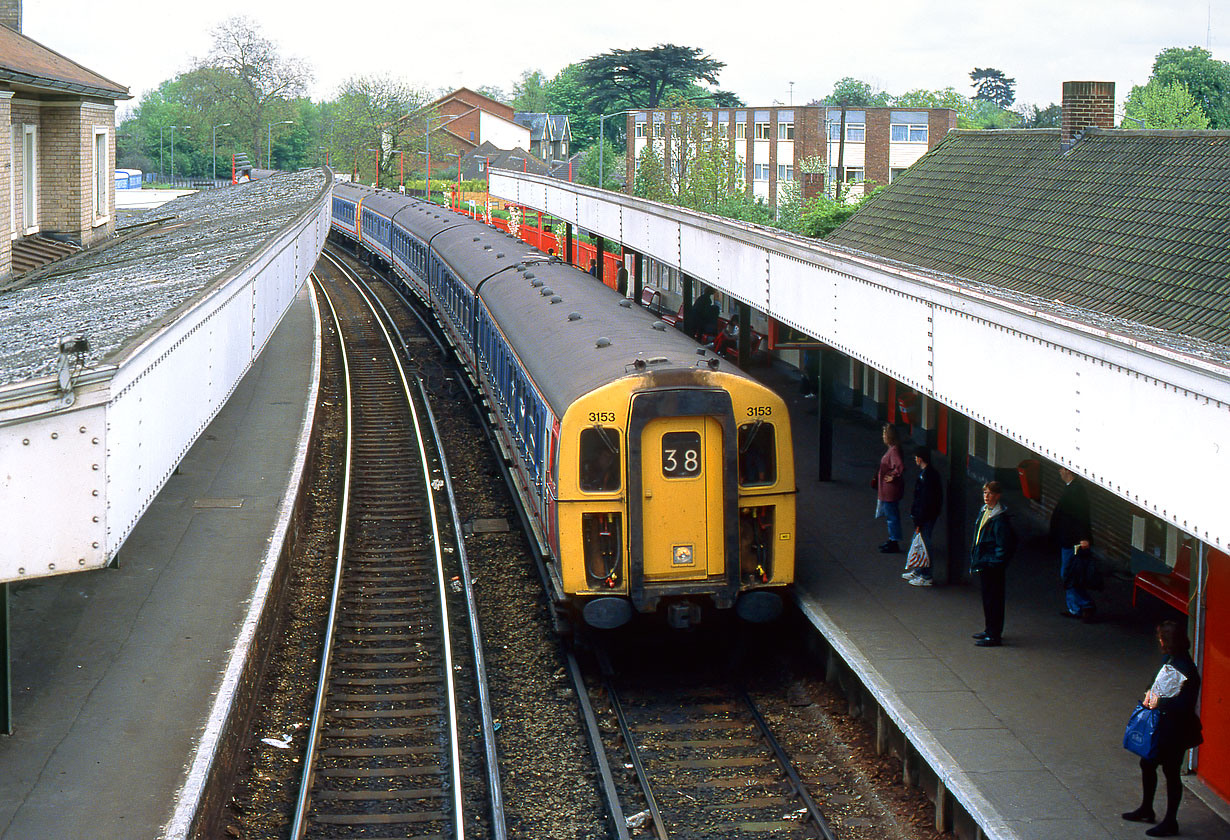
600 460
681 454
757 454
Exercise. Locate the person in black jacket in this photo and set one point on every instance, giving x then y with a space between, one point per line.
993 546
1070 528
925 511
1178 729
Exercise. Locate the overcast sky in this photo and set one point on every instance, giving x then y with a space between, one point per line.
897 45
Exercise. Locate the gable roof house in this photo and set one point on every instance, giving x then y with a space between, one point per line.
550 134
57 147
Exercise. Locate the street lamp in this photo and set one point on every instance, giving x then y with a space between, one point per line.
602 137
173 147
376 152
160 130
269 141
215 147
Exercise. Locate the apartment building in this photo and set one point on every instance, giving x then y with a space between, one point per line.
778 146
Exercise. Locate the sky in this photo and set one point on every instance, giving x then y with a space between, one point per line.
791 52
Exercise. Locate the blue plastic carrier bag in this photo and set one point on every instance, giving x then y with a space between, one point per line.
1140 737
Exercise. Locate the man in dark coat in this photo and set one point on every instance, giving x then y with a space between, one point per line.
1071 530
993 546
925 511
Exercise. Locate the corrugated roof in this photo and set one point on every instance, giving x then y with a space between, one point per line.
24 61
1130 224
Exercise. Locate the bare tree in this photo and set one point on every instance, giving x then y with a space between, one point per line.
370 111
247 72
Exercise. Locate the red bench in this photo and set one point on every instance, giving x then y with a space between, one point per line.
1173 589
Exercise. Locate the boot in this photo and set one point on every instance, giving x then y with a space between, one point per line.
1166 828
1141 814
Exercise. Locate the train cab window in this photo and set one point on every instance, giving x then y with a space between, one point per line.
757 454
600 460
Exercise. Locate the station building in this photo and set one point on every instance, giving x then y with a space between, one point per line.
57 147
778 146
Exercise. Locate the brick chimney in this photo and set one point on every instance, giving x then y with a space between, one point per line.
1086 105
10 14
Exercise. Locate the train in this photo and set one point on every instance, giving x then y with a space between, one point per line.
658 478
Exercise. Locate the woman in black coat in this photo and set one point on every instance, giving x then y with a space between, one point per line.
1178 729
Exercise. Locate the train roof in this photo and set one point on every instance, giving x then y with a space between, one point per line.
573 334
474 251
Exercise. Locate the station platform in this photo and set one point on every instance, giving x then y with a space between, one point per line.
116 673
1027 736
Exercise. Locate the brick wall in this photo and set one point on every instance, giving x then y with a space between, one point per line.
6 175
1086 105
10 14
875 147
66 169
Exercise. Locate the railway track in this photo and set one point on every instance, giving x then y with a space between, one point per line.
384 756
705 760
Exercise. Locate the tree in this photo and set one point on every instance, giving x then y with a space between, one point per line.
1034 117
530 93
697 166
1161 105
650 181
370 113
992 85
855 93
641 78
1207 79
245 71
920 98
612 167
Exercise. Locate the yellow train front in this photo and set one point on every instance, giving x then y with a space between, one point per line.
676 495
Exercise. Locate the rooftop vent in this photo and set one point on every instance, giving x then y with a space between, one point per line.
660 326
556 299
547 291
603 341
625 303
574 316
536 283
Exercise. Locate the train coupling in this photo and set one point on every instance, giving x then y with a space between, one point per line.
681 615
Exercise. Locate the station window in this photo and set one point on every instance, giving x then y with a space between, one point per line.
600 460
762 131
785 131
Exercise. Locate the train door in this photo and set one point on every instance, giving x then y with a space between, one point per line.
682 501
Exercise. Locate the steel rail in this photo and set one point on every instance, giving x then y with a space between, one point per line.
594 733
813 810
309 758
659 826
454 741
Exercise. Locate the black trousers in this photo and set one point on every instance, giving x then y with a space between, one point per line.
993 595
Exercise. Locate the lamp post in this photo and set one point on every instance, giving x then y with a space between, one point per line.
458 156
160 130
602 138
215 147
269 141
173 147
326 155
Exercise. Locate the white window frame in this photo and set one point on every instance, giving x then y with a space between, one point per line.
101 193
762 131
740 131
29 167
785 131
785 172
15 136
659 129
639 131
910 128
835 132
760 171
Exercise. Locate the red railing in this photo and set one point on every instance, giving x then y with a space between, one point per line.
582 252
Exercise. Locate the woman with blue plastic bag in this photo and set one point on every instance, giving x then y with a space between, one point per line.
1173 697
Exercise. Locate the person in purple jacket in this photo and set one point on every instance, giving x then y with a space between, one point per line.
890 488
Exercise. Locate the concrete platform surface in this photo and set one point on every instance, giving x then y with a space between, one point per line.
1029 735
115 672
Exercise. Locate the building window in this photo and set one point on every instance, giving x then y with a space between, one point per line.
855 132
894 172
741 131
785 131
904 133
760 171
854 174
29 181
640 130
785 172
100 173
762 131
659 130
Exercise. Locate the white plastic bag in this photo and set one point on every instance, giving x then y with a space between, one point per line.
918 557
1168 682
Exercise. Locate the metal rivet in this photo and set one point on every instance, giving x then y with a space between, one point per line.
95 545
93 492
95 518
82 430
25 442
21 570
95 467
55 435
81 562
95 441
51 567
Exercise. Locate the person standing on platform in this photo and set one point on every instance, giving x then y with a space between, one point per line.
621 278
925 511
993 546
1174 693
593 268
1070 529
890 488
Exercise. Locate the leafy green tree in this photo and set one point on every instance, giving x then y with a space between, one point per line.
371 113
1207 79
613 166
699 167
823 214
1034 117
1162 105
992 85
855 93
643 78
530 93
921 98
983 113
245 71
567 94
651 181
